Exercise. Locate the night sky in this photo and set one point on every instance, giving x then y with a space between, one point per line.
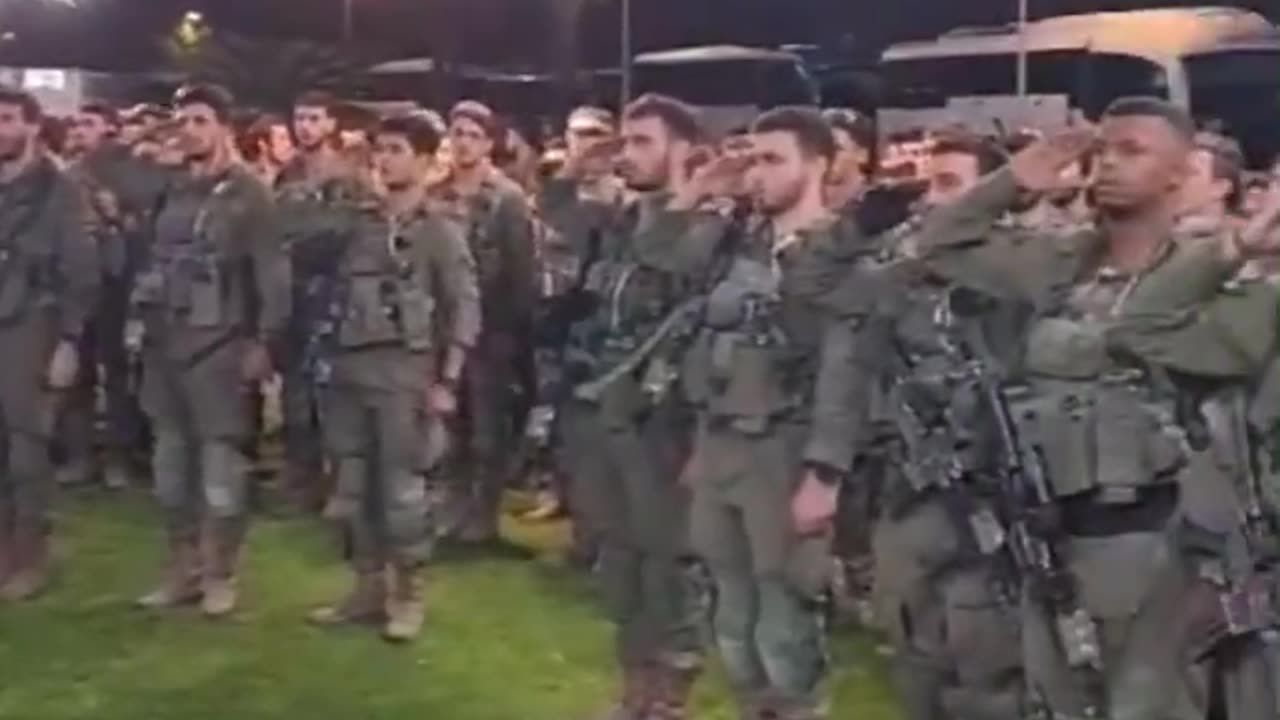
124 33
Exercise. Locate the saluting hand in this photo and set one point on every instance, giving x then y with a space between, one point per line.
1041 166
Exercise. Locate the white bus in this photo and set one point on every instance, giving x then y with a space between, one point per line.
1221 63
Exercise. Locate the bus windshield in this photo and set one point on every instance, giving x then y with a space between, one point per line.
1238 90
733 83
1089 80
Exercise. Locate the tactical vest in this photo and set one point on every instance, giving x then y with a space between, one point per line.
29 276
736 370
1100 426
383 299
189 278
942 432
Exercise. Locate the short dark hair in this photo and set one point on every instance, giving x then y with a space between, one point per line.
216 97
860 128
805 124
680 119
32 112
478 113
987 152
419 131
1227 162
145 111
317 99
1145 106
259 131
107 112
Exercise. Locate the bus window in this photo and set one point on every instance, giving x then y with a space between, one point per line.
728 83
1238 90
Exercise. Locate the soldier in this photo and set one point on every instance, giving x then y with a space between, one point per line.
307 191
751 374
139 121
212 295
268 146
1092 405
119 236
48 277
626 444
496 218
891 373
407 313
855 156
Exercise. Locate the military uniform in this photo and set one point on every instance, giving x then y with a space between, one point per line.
120 238
406 294
215 282
311 215
626 446
48 279
751 374
893 381
1090 399
499 230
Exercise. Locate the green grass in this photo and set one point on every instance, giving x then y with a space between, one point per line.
506 639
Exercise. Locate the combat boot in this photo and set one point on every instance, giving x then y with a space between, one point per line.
638 686
222 542
365 604
181 583
671 691
405 607
31 572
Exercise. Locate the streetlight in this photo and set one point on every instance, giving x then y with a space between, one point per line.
625 65
193 17
348 20
1022 48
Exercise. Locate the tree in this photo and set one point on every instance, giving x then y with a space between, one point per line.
266 73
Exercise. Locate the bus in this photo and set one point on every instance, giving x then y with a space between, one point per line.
730 84
1222 64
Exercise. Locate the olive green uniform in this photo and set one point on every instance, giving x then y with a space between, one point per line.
216 281
1090 403
751 374
48 280
893 381
310 212
625 448
499 231
407 294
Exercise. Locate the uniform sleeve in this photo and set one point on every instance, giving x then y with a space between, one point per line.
453 270
137 182
680 242
963 243
516 230
77 257
271 267
849 368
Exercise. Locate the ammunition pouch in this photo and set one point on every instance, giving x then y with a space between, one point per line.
746 384
1106 436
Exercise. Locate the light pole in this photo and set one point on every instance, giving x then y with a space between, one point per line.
348 20
1022 48
626 53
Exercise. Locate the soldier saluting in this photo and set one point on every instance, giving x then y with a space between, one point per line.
48 279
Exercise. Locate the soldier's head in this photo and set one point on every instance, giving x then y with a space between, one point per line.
403 149
957 161
589 128
91 126
268 141
659 135
203 113
20 118
1143 155
473 130
855 137
139 120
792 151
315 122
1215 182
